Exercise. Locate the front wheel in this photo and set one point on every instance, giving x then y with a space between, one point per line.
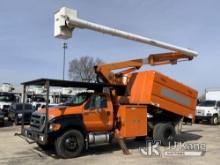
214 120
70 144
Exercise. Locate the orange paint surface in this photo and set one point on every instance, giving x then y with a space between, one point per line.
151 87
133 121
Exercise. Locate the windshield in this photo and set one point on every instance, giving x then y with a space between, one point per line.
7 98
77 99
207 103
64 98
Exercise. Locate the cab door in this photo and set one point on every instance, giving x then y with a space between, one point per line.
98 113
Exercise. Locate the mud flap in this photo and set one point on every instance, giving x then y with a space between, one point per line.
178 126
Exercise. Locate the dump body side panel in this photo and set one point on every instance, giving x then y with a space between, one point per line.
154 88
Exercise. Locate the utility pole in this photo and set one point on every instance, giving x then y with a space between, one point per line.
64 57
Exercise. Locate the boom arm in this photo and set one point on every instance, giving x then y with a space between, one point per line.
66 21
104 71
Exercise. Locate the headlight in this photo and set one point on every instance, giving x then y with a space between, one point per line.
54 127
20 115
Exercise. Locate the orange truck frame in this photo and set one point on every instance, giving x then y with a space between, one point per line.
126 104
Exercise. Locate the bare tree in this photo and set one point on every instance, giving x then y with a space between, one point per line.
82 69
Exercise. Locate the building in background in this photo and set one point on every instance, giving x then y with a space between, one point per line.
56 95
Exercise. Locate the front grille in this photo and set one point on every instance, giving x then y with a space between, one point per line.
200 112
37 121
5 106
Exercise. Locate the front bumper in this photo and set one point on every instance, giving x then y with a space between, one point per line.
36 136
203 117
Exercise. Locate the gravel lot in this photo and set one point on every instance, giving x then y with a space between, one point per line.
15 150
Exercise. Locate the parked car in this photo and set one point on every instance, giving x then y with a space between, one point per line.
208 110
6 99
15 112
2 116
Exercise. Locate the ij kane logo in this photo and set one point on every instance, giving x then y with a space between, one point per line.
152 149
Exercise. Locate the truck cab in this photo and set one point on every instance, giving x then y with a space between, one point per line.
90 115
95 111
208 110
6 99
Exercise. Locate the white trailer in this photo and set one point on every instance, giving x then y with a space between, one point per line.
212 94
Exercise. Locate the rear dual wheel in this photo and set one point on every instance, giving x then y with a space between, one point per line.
165 133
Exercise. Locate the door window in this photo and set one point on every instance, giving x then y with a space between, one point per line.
96 101
103 102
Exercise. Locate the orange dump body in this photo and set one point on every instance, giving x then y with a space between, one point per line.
154 88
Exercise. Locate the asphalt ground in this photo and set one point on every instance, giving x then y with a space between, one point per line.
14 150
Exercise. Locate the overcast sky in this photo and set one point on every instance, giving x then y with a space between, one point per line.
28 49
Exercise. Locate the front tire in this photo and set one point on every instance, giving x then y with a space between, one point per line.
70 144
197 121
165 133
214 120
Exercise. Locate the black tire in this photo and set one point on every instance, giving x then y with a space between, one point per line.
197 121
70 144
214 120
165 133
